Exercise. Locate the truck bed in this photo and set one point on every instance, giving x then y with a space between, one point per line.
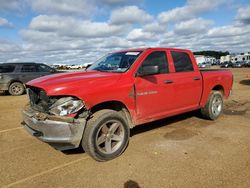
211 70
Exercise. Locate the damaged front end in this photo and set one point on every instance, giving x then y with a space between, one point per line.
59 121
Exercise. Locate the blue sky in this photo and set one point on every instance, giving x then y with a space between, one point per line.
79 31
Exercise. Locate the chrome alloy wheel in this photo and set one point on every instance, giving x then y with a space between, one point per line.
110 136
217 105
16 89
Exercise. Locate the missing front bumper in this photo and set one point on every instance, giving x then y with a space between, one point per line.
60 132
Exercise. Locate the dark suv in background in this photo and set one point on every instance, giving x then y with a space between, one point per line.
13 76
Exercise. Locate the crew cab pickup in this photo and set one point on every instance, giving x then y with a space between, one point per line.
96 108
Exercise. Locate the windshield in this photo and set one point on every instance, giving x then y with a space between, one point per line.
116 62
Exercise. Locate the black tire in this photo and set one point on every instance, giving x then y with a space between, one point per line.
16 88
214 106
106 135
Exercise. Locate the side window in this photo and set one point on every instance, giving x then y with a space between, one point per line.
182 62
44 68
28 68
7 68
156 58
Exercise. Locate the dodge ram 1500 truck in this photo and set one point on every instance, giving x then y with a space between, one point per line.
96 108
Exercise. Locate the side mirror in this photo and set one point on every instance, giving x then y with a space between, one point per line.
88 66
53 70
148 70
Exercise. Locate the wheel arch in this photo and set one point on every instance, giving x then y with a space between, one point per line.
207 92
218 88
114 105
15 80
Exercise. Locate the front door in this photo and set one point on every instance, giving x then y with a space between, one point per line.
154 95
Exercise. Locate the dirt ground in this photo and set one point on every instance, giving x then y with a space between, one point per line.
181 151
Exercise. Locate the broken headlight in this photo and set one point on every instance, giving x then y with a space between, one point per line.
65 106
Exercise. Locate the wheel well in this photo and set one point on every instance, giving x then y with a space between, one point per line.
218 88
12 81
114 105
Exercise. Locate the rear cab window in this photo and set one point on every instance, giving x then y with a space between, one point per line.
7 68
182 61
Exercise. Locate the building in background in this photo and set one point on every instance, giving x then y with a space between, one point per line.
200 59
236 57
225 58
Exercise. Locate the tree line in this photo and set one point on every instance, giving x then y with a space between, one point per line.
216 54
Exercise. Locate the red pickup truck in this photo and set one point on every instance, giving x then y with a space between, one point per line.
96 108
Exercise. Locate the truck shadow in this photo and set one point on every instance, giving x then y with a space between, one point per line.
73 151
163 122
3 93
6 93
245 82
131 184
147 127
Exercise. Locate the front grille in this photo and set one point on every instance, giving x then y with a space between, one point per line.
39 99
33 96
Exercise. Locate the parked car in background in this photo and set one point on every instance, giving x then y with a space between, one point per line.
75 66
204 65
240 64
226 64
13 76
217 62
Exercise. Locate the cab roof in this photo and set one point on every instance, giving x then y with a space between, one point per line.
155 48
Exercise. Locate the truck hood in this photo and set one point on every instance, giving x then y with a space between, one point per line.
76 83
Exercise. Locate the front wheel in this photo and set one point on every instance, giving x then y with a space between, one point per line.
214 106
106 135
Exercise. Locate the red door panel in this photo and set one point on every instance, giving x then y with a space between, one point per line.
187 89
154 97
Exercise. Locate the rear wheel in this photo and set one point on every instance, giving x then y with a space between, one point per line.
16 88
214 106
106 135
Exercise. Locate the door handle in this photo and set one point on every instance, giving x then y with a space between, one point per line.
168 81
197 78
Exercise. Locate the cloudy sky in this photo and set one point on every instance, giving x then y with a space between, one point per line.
80 31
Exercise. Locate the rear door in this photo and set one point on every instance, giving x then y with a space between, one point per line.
187 81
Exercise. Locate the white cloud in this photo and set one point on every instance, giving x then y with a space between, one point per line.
228 31
190 10
129 15
140 35
155 27
117 2
226 38
73 27
193 26
243 15
64 7
67 32
5 23
8 46
11 4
